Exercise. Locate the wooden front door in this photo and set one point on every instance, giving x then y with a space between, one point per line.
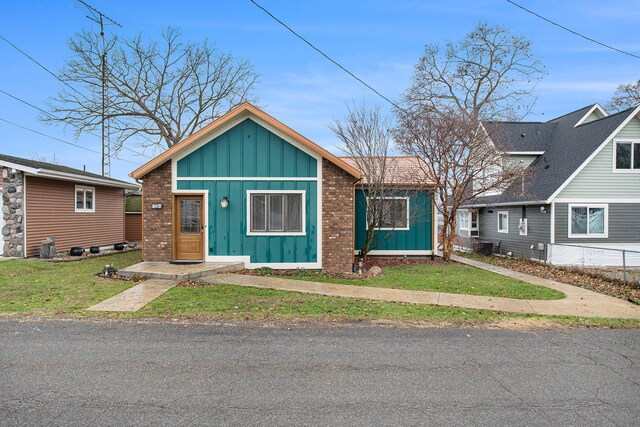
188 228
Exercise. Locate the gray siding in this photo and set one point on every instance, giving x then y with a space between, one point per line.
538 230
598 180
624 224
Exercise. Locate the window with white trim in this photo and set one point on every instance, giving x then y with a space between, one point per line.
393 213
588 220
85 199
627 156
463 220
276 213
503 222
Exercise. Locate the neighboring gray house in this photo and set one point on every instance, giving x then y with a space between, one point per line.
582 189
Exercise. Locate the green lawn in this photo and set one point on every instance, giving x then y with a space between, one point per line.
51 288
451 278
34 288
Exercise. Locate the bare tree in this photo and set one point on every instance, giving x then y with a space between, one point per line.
39 157
488 75
163 90
462 161
367 141
627 95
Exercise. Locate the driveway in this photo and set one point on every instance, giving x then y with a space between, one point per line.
81 373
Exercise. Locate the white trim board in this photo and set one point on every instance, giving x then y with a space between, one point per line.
595 107
246 259
247 178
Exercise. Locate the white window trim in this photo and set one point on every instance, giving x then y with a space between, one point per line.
84 188
588 235
464 212
303 194
631 141
506 213
469 214
390 228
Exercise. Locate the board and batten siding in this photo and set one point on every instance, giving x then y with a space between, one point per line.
417 238
247 150
520 246
50 211
243 152
597 180
623 218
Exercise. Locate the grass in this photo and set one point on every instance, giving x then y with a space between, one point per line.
34 288
451 278
51 288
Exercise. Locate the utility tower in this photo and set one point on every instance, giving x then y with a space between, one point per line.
101 19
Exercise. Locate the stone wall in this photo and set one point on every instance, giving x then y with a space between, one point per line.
12 213
157 234
337 218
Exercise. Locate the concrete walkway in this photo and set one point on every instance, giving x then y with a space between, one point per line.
578 301
133 299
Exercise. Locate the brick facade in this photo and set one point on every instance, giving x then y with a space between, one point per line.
337 218
157 223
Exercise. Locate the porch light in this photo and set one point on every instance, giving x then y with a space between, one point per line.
224 202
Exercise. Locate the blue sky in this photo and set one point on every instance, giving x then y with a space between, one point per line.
379 40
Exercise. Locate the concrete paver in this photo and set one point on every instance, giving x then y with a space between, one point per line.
133 299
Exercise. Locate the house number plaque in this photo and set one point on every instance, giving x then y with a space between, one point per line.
156 205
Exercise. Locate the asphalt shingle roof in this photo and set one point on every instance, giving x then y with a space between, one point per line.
35 164
567 147
401 170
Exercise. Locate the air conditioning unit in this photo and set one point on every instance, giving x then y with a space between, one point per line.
522 226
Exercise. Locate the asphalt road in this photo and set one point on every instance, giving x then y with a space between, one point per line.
82 373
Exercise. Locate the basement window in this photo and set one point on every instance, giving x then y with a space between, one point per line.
85 199
276 213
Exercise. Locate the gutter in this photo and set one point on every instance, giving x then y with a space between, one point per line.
526 203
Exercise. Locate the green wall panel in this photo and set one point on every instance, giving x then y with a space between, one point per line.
228 227
418 237
248 150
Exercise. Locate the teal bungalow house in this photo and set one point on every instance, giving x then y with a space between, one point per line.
248 188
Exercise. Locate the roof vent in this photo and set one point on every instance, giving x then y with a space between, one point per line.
523 135
547 166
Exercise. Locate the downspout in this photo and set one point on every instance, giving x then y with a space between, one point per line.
141 182
353 225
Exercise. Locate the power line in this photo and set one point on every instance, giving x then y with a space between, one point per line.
58 118
326 56
42 66
39 64
60 140
573 32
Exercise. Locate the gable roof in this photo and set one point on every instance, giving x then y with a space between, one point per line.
401 170
242 110
51 170
570 146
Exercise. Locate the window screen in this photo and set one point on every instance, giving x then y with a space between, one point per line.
276 212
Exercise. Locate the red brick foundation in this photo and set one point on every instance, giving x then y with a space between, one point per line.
337 218
157 223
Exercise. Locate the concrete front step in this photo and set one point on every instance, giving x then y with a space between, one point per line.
180 272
